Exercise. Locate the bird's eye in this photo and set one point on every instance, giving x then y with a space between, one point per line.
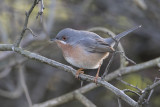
64 38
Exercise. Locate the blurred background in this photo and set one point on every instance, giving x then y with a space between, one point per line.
45 82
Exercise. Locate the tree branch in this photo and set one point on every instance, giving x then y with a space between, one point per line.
66 97
119 93
126 70
23 84
84 100
139 90
13 94
41 8
134 68
128 90
25 24
146 92
34 35
119 102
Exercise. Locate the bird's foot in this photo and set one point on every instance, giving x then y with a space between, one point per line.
79 71
95 78
97 75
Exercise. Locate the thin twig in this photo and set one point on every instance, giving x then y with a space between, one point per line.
22 80
119 102
53 63
139 90
66 97
113 75
41 9
34 35
128 59
134 68
123 58
84 100
123 71
147 91
151 92
128 90
25 24
13 94
110 61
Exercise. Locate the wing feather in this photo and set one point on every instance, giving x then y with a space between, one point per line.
95 45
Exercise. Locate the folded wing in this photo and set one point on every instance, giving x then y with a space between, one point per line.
95 45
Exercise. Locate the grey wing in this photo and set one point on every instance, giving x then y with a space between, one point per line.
95 45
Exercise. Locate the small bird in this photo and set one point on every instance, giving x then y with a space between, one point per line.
86 50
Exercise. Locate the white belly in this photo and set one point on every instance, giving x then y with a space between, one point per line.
86 63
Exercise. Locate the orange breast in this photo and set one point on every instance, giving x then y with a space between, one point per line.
78 57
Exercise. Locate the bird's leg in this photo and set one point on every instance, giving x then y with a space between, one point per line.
79 71
97 75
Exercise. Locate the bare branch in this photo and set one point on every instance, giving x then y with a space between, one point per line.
110 61
123 54
8 67
150 94
53 63
119 93
134 68
146 92
41 9
154 85
13 94
25 24
139 90
24 86
119 102
66 97
84 100
128 90
31 32
122 71
152 90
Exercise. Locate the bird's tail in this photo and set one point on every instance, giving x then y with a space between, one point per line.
119 36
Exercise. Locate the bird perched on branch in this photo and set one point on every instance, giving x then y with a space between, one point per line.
86 50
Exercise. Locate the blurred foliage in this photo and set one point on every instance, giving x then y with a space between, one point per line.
136 80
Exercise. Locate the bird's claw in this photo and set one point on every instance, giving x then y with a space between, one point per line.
96 78
79 72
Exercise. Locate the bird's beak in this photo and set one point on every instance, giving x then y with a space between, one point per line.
53 39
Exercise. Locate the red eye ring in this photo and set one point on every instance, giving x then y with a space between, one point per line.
64 38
